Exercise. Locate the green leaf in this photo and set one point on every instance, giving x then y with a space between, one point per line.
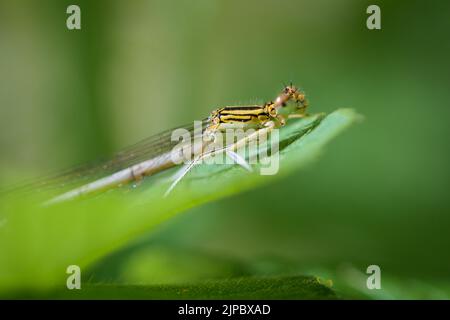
299 287
38 243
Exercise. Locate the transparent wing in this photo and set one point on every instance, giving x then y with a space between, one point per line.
144 150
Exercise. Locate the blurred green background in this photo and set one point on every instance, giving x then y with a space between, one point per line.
379 195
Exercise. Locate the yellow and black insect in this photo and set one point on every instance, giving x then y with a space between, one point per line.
154 154
259 115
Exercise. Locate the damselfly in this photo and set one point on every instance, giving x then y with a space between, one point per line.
156 153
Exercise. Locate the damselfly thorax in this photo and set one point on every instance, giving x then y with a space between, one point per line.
257 115
154 154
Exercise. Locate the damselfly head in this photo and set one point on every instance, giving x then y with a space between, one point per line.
295 94
291 92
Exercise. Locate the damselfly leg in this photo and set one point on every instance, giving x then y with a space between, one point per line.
229 151
155 154
264 116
